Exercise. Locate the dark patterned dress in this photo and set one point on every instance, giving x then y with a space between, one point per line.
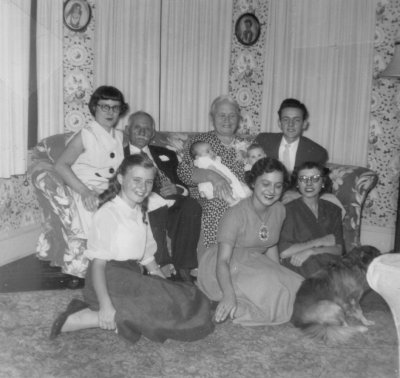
301 226
215 208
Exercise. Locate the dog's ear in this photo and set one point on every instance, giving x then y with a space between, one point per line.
367 253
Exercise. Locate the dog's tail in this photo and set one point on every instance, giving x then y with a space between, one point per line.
332 334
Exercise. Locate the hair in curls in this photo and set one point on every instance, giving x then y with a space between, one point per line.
107 92
267 165
114 187
323 171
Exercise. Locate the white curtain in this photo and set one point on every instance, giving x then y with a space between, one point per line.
14 70
127 51
196 47
320 52
50 68
169 58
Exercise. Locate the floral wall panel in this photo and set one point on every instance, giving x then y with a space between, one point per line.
18 205
384 129
247 66
78 63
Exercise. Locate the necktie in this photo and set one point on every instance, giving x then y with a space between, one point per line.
161 178
286 157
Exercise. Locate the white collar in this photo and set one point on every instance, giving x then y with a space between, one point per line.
136 150
294 144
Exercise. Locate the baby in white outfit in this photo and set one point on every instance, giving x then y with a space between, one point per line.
204 157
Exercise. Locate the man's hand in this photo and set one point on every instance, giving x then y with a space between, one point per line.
168 189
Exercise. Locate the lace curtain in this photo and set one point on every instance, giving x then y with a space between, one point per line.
322 55
169 58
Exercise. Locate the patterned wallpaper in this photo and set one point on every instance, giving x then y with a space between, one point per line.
246 72
19 206
78 73
384 130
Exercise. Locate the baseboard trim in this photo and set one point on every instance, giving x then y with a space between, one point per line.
19 244
379 237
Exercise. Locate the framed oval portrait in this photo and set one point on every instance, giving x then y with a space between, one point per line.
247 29
77 14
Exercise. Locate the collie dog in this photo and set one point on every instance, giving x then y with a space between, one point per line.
326 299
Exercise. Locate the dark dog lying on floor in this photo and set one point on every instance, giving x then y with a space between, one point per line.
326 299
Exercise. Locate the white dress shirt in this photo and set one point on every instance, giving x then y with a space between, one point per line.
292 152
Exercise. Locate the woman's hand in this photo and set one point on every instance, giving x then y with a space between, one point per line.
299 258
154 269
326 241
107 317
226 307
90 200
222 187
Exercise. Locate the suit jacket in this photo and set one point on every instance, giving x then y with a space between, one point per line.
166 160
308 150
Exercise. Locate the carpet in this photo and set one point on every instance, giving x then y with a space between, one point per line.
231 351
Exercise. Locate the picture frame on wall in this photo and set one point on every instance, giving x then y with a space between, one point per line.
77 15
247 29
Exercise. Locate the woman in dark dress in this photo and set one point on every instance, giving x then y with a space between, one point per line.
118 296
312 234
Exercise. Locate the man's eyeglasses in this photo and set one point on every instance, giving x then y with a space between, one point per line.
307 179
106 108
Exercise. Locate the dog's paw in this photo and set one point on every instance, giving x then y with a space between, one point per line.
367 322
361 329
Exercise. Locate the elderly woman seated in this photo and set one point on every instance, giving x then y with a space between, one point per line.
225 117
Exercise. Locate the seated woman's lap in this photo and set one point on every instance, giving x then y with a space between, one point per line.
213 210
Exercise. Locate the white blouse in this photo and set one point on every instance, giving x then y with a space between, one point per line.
118 233
102 155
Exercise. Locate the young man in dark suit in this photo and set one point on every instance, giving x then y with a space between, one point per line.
182 221
290 147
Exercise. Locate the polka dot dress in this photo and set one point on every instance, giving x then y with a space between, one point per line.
212 209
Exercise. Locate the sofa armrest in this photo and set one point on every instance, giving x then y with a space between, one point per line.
58 243
351 185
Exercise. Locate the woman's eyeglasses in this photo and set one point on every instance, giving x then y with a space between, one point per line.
307 179
106 108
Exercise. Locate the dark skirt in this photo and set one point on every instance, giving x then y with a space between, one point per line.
156 308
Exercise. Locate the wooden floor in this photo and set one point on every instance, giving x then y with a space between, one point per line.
30 274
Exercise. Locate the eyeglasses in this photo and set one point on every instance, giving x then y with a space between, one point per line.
307 179
227 117
106 108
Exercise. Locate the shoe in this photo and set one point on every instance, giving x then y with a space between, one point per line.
74 306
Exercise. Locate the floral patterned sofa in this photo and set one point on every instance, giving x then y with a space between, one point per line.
59 244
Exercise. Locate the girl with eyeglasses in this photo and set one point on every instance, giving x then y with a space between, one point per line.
92 156
312 234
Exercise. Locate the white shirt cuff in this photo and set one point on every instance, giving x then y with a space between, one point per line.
185 191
